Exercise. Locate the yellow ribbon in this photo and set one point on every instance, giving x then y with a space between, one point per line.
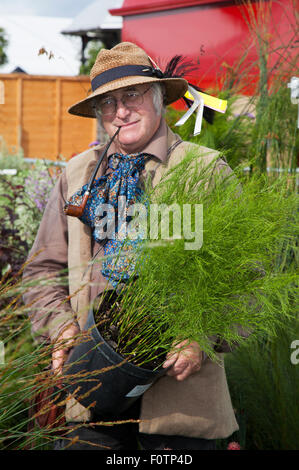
210 101
199 101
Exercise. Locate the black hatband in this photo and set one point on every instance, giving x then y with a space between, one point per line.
124 71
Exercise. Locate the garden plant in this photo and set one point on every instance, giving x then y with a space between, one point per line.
207 293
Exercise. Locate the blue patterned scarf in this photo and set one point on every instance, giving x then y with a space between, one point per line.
121 181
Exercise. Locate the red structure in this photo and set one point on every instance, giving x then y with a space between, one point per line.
223 36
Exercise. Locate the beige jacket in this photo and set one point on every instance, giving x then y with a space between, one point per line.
200 406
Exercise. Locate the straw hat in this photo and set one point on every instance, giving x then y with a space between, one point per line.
124 65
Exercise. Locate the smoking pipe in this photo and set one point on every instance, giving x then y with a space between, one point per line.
77 211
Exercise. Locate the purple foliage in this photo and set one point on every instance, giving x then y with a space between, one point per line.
250 115
38 187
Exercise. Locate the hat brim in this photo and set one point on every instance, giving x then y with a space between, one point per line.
175 88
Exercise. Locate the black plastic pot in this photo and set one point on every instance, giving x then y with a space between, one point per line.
121 383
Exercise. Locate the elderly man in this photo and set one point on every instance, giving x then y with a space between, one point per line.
190 407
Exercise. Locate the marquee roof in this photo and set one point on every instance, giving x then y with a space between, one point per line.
95 17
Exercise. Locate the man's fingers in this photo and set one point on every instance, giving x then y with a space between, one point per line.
184 366
179 366
66 342
63 345
58 358
170 360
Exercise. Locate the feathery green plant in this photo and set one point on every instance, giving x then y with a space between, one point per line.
263 383
226 284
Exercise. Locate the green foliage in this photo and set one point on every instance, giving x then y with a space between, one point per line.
13 248
228 134
24 372
275 131
20 375
200 294
20 216
10 160
3 45
93 49
266 137
38 183
263 377
23 198
264 383
20 355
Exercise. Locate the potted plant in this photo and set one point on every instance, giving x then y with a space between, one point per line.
205 294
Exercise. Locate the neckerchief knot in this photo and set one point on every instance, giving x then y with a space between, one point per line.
102 206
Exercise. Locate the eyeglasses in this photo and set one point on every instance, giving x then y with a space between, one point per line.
130 99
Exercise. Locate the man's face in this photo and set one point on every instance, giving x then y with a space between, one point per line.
137 123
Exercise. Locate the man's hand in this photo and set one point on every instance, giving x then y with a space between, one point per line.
184 362
63 344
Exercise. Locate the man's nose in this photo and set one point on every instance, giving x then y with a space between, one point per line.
121 110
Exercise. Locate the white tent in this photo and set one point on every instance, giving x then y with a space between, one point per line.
27 35
96 17
95 22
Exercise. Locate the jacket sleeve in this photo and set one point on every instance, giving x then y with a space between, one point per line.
45 275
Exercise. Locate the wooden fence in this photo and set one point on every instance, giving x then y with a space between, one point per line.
34 117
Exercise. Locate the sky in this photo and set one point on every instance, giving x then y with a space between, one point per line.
59 8
27 34
31 25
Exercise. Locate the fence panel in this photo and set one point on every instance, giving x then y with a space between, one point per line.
34 117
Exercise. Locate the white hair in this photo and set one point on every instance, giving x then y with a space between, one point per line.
158 92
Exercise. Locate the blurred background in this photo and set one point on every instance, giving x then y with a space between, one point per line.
47 49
